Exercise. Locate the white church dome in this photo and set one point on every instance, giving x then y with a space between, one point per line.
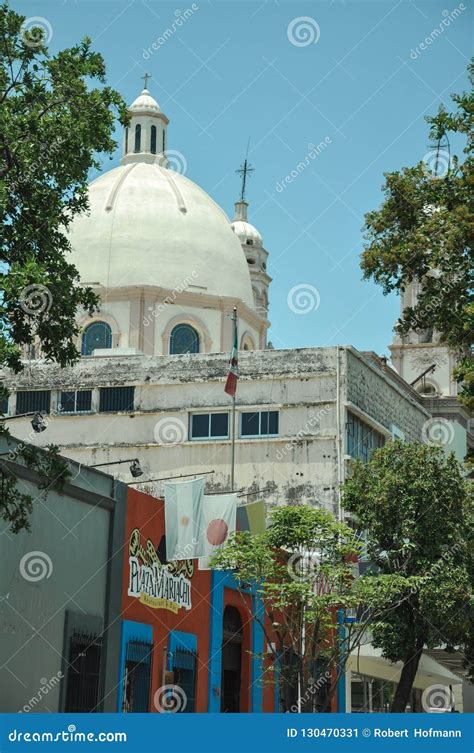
150 225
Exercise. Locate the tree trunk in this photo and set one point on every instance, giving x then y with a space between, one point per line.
407 677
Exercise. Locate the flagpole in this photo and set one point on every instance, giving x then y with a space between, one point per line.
233 447
232 466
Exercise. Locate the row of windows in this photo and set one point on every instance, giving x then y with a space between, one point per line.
216 425
183 339
111 400
138 139
114 399
98 335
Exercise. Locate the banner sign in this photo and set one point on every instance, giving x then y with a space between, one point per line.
157 585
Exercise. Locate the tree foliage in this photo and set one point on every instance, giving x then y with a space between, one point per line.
424 232
302 568
416 508
54 127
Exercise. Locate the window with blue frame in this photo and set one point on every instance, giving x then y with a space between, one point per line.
259 423
362 440
184 339
76 401
97 335
209 426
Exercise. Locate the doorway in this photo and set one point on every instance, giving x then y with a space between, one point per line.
231 679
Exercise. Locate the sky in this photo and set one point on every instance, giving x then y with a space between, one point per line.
355 78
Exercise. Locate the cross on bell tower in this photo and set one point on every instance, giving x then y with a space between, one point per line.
245 170
145 78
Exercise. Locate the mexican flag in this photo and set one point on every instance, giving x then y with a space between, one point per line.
232 376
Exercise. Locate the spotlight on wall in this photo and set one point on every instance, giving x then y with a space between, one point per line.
38 423
135 469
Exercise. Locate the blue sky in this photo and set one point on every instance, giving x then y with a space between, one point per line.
356 78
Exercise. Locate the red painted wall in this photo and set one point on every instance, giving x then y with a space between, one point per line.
146 513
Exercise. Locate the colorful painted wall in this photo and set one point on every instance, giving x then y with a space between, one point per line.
188 633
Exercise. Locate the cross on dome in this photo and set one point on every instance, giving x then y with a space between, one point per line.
145 78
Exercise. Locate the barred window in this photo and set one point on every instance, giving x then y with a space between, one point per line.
137 677
83 673
184 663
34 401
114 399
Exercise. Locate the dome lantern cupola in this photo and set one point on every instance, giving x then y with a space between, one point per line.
145 137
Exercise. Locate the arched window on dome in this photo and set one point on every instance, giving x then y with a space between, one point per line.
138 137
96 335
184 339
126 140
164 140
153 140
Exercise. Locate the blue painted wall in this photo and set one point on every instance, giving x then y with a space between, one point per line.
221 580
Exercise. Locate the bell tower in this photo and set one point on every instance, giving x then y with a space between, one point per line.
252 245
420 358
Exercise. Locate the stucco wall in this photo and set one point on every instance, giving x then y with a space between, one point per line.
72 541
383 400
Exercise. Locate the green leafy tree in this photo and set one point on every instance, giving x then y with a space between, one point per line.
302 568
54 127
415 506
423 232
